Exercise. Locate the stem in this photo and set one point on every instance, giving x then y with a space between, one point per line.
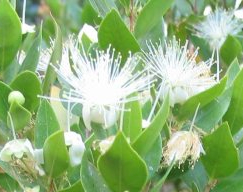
217 57
131 16
122 117
12 126
210 185
194 118
23 12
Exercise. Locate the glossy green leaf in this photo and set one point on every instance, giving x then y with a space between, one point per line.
103 6
150 16
55 59
209 115
230 49
77 187
114 32
10 33
146 139
4 105
46 123
20 116
233 183
8 183
56 156
153 157
91 178
32 57
232 72
132 121
234 115
203 98
122 168
221 157
29 85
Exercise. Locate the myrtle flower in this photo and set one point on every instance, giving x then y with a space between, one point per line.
217 26
215 29
182 146
105 144
181 76
76 147
34 189
100 84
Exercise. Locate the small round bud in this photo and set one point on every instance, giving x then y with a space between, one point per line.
17 97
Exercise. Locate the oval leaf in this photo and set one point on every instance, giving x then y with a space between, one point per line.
122 168
221 157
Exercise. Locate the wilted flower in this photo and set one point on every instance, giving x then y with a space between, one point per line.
21 149
16 149
76 147
100 84
181 76
182 146
217 26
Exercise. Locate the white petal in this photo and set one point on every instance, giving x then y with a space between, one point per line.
86 116
39 157
90 32
27 28
76 152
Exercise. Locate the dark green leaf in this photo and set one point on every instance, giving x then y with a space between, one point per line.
230 49
29 85
114 32
122 168
146 139
8 183
55 59
32 58
20 116
56 158
91 178
203 98
221 157
102 6
46 123
232 72
234 115
150 16
10 33
77 187
132 121
4 105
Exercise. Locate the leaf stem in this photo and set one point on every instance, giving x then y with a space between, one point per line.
131 16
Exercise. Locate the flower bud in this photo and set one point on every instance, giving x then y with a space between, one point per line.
16 96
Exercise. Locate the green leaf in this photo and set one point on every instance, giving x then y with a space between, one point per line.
132 121
232 72
32 58
10 33
4 105
8 183
77 187
125 3
55 59
234 115
29 85
46 123
102 6
208 116
150 16
233 183
153 157
56 156
91 178
221 157
230 49
55 7
203 98
122 168
146 139
20 116
114 32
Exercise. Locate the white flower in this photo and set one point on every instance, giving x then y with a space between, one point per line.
182 145
76 147
217 26
100 84
34 189
44 59
90 32
181 76
105 144
16 149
